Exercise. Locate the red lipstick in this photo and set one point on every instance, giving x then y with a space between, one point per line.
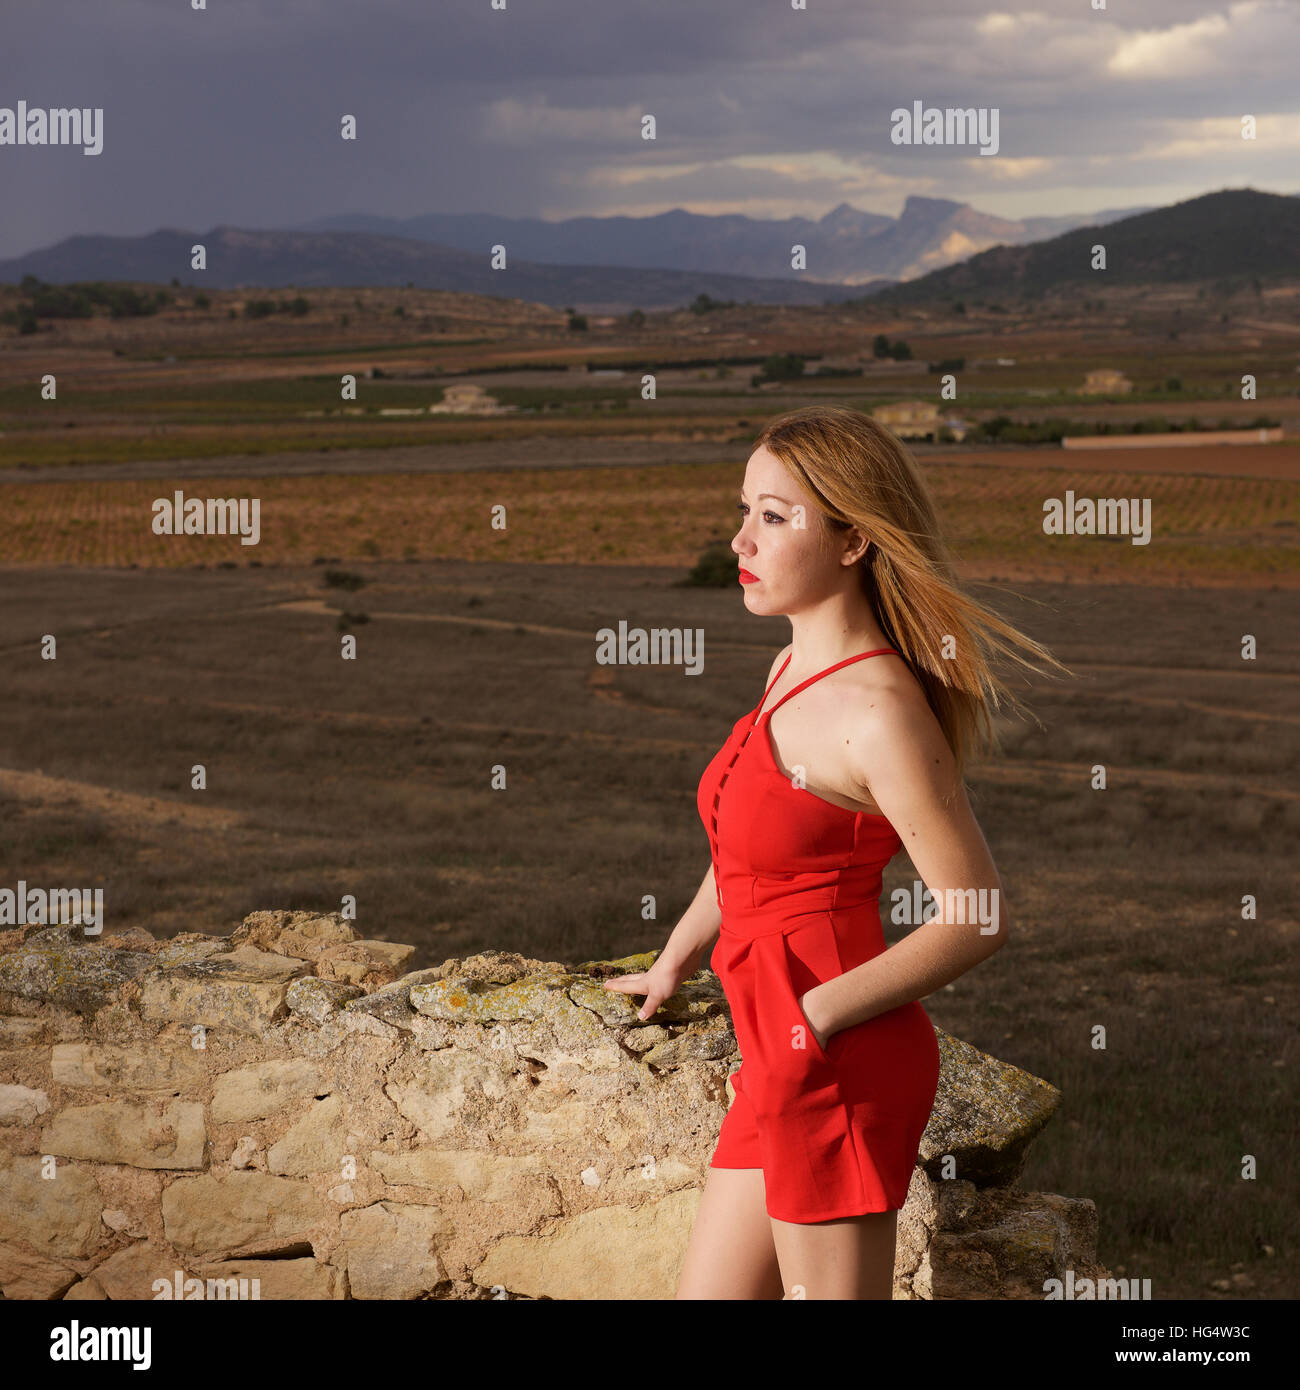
747 578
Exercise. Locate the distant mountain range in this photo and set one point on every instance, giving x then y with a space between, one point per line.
845 247
238 256
610 265
1233 233
596 264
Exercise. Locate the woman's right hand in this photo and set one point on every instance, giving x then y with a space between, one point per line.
660 982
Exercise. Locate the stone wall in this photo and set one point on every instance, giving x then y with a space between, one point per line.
285 1105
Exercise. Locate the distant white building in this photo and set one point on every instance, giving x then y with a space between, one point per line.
917 420
464 398
1106 381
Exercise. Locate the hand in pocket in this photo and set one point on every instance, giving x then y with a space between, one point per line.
819 1039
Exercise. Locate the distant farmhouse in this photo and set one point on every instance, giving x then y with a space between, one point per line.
1105 382
917 420
464 398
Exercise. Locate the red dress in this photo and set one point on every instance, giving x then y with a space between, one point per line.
836 1132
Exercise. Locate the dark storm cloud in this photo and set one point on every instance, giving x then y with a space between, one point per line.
231 115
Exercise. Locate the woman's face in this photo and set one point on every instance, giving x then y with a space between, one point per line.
785 542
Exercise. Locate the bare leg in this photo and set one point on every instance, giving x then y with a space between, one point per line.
850 1258
730 1253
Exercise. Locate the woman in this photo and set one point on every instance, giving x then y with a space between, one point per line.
855 750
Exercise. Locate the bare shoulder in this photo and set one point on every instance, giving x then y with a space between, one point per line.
778 663
882 689
890 732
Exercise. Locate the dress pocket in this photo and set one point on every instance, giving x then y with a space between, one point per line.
810 1037
812 958
807 959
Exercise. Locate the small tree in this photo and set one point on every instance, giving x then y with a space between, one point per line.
782 367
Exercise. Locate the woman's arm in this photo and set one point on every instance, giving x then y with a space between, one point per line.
695 930
681 955
700 922
899 754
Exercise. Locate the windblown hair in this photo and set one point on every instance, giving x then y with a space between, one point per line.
862 475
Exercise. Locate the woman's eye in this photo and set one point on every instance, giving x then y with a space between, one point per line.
743 508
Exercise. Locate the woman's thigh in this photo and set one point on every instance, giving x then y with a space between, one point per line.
730 1253
849 1258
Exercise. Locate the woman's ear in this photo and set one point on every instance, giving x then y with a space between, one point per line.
856 547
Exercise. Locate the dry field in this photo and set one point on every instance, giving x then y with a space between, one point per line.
1206 528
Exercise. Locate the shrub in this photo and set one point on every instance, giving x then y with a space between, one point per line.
715 569
344 579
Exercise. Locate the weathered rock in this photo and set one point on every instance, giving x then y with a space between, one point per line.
710 1044
315 1143
152 1134
22 1032
267 929
21 1105
133 938
87 1289
1002 1243
986 1114
55 1216
353 965
491 998
390 953
242 989
621 1252
281 1279
189 952
644 1038
392 1250
239 1213
316 999
486 1177
253 1092
53 965
328 941
441 1088
391 1004
127 1068
132 1271
24 1275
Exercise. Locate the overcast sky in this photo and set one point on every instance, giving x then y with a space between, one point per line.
232 115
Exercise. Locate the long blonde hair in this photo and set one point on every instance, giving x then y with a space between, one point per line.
863 475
